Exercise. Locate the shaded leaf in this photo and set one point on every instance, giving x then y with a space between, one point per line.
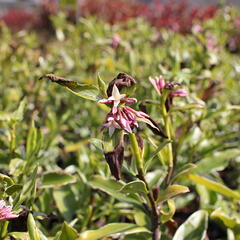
194 228
112 188
66 202
228 221
56 179
13 189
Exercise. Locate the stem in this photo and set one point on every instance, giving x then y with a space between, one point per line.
13 138
139 164
167 124
4 226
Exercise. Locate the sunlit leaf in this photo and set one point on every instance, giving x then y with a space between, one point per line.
173 191
134 187
110 229
56 179
82 90
166 216
214 186
67 232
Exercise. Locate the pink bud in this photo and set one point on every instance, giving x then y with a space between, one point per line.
106 101
178 93
116 40
158 83
197 28
129 100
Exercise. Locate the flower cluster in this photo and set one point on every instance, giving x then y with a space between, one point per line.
121 116
159 84
6 211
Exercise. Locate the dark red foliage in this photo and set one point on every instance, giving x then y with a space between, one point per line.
173 14
114 11
16 19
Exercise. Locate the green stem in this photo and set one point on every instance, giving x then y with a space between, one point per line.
168 126
4 226
139 164
13 138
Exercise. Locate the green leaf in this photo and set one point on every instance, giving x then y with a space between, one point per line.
32 140
134 187
32 228
98 144
173 191
13 189
28 187
214 186
6 179
194 228
229 222
148 163
82 90
66 202
166 216
56 179
217 162
67 232
185 169
19 235
102 87
110 229
141 218
188 107
14 116
112 188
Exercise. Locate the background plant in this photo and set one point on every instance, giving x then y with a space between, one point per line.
50 157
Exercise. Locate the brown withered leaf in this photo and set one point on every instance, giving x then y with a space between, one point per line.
122 80
115 159
82 90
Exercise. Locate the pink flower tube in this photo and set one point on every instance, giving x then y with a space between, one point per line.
6 211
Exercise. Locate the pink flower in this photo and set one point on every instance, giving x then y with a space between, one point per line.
6 211
117 98
124 117
237 22
178 93
159 84
212 42
116 40
197 28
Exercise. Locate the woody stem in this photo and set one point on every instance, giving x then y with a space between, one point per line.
139 164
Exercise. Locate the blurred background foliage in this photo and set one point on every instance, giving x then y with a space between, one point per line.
50 149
